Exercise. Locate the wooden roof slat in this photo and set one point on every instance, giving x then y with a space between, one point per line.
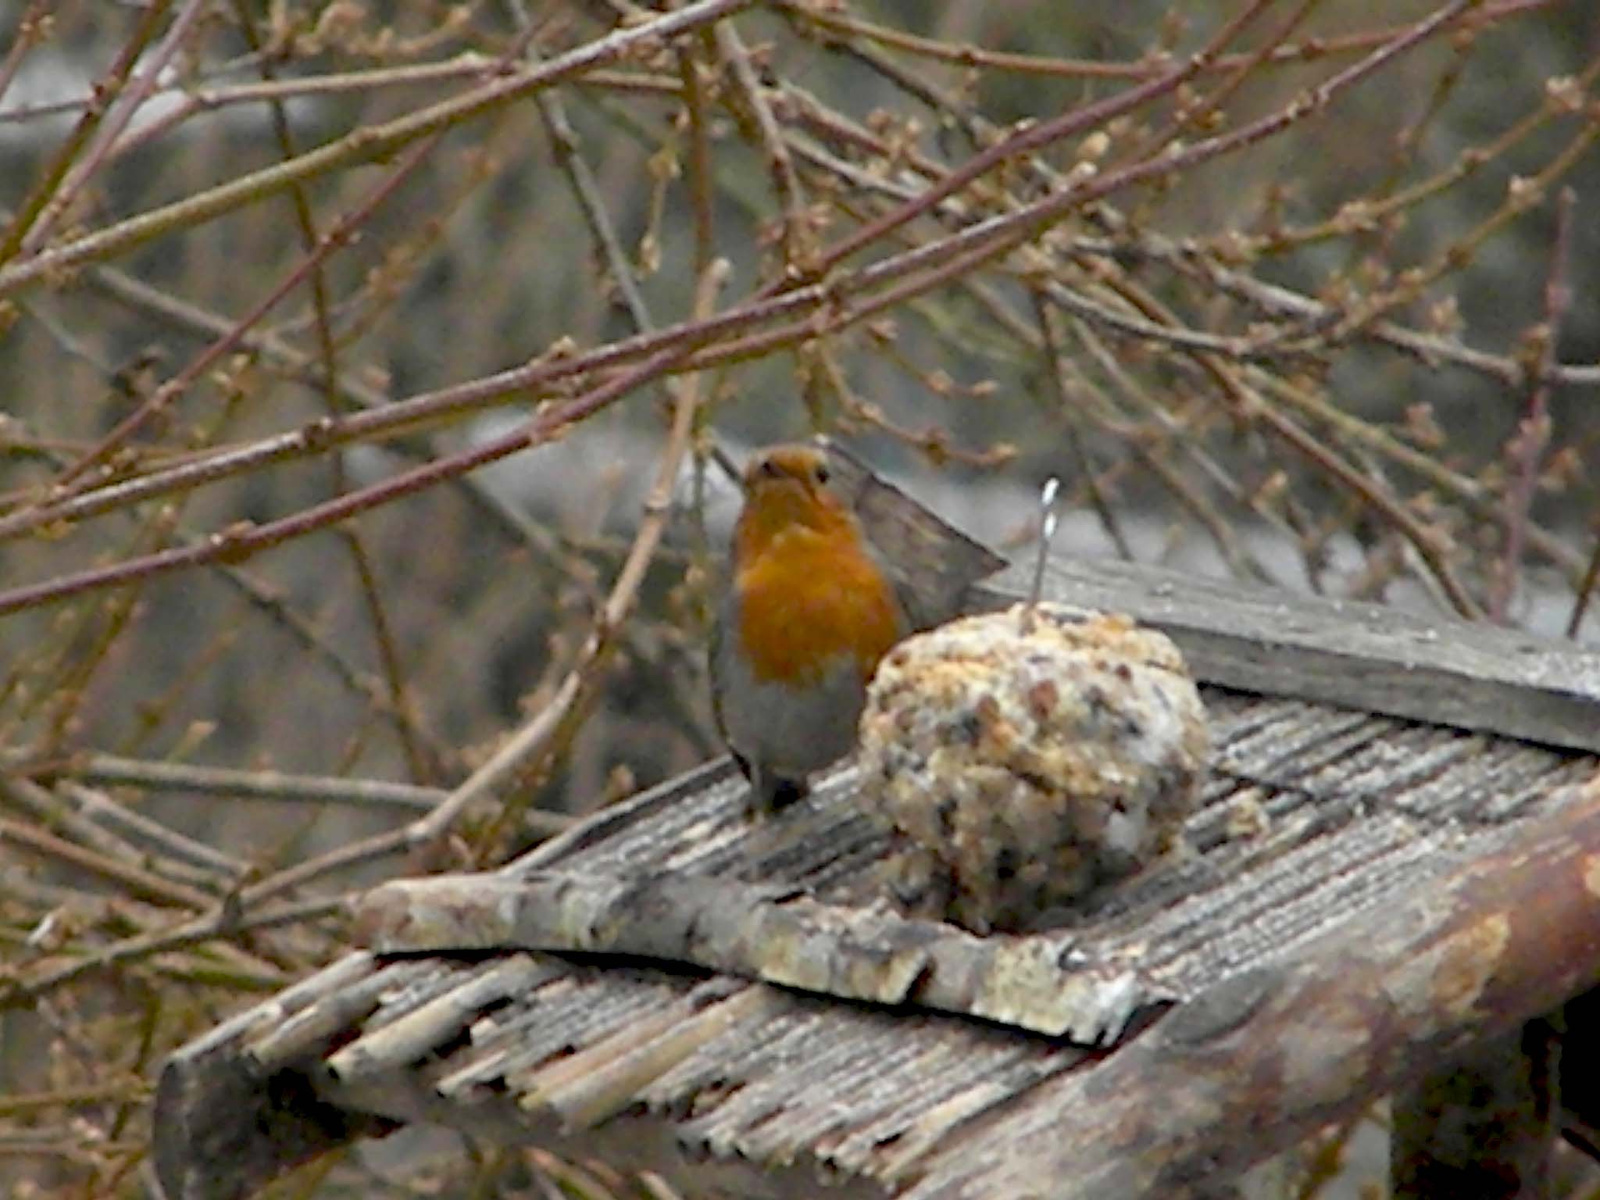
310 1029
425 982
863 1076
583 1014
599 1081
975 1079
429 1024
1343 652
786 1037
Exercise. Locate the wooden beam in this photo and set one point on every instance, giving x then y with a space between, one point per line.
761 933
1360 656
224 1127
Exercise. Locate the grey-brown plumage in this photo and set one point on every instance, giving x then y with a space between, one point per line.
828 569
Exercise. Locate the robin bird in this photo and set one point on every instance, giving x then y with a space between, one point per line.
813 602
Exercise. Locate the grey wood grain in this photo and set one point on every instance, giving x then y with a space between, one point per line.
1356 655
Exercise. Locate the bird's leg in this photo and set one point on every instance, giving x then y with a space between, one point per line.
754 802
784 792
769 793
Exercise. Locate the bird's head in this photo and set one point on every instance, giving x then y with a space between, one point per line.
787 487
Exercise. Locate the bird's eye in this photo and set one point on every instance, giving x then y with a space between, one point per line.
768 469
822 473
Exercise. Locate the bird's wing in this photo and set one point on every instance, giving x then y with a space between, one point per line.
931 562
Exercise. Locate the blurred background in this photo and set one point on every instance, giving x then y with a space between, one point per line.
1284 312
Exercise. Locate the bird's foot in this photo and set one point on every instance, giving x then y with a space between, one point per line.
770 795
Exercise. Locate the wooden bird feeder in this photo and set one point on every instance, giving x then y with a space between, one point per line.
1396 866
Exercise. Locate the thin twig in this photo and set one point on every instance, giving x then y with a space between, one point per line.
422 768
369 144
1526 448
222 921
337 237
188 101
543 737
106 90
114 771
29 32
1586 591
798 252
134 880
128 101
970 55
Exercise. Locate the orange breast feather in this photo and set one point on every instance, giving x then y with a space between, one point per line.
808 599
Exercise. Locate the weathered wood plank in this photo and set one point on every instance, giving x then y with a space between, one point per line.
1361 656
764 934
1271 1055
225 1126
